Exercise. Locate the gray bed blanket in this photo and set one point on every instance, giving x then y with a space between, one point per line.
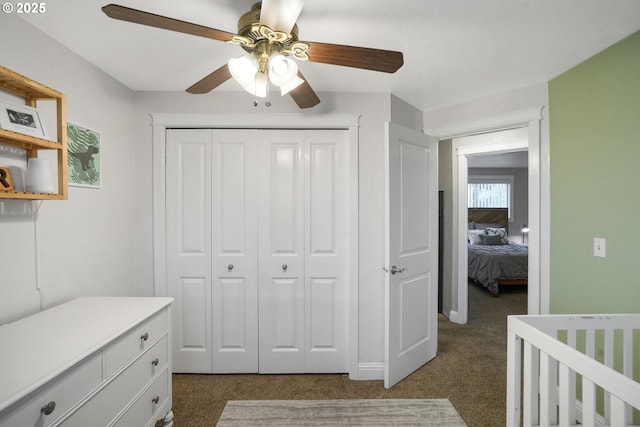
488 263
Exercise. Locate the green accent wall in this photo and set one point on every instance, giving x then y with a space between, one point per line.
594 118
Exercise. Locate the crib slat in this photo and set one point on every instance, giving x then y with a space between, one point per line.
530 388
566 404
548 374
514 370
608 361
627 362
617 412
588 403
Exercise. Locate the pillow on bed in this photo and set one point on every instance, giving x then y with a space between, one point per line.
473 237
502 232
492 239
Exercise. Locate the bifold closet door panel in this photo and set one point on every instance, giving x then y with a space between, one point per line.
303 252
235 251
188 231
281 249
326 251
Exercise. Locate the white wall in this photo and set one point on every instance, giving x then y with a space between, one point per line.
85 243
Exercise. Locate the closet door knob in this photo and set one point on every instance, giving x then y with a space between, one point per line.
230 267
144 337
155 362
156 399
48 408
284 267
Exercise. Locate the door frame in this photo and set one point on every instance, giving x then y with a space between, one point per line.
539 203
349 122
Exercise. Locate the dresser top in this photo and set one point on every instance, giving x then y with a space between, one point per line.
37 348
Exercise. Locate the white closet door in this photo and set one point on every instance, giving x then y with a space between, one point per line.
188 228
257 250
281 240
235 256
303 252
326 251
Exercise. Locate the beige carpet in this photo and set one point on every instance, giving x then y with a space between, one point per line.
340 412
469 371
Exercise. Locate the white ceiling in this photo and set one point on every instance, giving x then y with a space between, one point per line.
454 50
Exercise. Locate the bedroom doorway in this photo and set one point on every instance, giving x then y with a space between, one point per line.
474 149
497 196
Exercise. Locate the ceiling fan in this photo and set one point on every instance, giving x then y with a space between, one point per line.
269 35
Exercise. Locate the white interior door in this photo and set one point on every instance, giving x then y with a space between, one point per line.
188 228
411 304
258 250
303 252
282 293
234 251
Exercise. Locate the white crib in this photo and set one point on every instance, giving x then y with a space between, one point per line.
568 370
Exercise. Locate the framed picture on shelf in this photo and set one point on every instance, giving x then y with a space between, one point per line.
22 119
83 156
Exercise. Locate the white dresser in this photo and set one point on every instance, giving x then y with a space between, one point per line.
99 361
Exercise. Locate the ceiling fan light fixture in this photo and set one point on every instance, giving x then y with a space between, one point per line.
244 68
282 70
261 84
294 83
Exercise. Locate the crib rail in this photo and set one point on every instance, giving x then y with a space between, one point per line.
573 370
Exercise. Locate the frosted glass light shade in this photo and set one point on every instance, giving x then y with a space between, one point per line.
261 83
244 68
39 176
294 83
282 70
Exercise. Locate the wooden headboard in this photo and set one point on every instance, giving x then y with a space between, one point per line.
498 216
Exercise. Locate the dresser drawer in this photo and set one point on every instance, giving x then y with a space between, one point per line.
133 342
117 394
146 410
65 391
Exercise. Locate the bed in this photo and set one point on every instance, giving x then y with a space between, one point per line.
493 259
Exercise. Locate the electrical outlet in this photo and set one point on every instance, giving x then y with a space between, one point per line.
599 247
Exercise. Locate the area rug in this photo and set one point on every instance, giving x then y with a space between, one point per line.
352 412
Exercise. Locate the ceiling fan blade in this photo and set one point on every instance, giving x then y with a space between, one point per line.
304 95
145 18
212 81
280 15
387 61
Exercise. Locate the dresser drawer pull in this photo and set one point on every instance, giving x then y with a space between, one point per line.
145 336
155 361
155 400
48 408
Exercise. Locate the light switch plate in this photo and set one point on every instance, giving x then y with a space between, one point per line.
599 247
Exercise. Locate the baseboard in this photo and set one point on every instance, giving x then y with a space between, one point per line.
453 316
369 371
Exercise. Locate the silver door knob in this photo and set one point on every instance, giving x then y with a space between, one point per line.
395 269
230 267
284 267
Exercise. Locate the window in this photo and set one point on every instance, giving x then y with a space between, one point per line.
490 192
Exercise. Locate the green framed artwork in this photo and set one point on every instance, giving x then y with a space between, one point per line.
83 156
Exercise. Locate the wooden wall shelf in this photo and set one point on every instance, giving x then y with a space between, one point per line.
32 91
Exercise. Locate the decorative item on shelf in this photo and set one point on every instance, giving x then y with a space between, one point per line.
525 231
83 160
6 180
39 176
19 178
22 119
